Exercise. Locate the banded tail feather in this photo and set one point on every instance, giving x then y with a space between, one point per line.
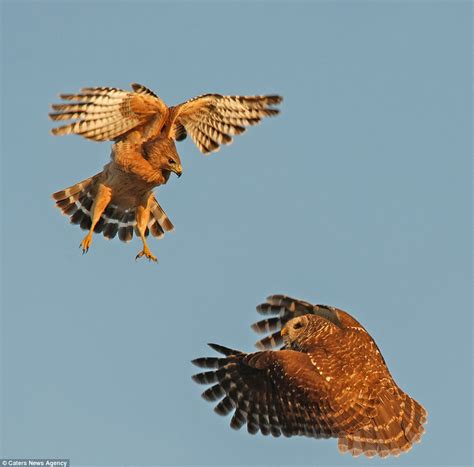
76 203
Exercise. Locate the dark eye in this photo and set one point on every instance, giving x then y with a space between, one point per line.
298 325
171 161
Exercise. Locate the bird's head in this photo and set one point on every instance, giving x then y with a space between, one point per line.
162 155
298 330
172 163
295 331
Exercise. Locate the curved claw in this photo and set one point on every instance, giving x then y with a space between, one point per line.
147 253
86 243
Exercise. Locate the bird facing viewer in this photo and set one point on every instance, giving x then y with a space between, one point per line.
144 129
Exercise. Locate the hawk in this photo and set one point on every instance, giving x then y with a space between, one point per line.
144 129
328 380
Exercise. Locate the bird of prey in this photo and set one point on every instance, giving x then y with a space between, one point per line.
328 380
144 130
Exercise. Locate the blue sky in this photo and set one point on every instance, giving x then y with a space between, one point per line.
357 196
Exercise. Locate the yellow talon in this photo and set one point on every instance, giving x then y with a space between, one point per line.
86 243
146 252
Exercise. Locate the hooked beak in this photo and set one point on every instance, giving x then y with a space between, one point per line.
284 331
178 171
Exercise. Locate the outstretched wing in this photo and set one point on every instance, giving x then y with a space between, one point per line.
274 392
106 113
282 392
212 119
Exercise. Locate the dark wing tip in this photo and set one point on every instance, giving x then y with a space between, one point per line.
271 298
261 309
223 350
274 99
203 362
196 379
141 89
260 346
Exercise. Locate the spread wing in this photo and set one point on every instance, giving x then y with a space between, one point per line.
212 119
283 392
103 114
274 392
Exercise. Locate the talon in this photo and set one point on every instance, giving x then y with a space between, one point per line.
86 243
147 253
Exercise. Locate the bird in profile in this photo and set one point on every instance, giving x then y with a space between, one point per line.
329 379
144 129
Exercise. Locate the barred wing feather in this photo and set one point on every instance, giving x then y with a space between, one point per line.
213 119
105 113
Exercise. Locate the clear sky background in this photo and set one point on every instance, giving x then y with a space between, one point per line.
357 196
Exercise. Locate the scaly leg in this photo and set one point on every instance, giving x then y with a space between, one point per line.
142 217
101 200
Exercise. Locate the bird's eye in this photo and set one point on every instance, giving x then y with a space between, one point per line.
171 161
298 325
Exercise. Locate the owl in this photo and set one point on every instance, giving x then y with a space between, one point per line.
328 380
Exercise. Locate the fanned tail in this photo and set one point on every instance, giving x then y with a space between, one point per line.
159 222
76 203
